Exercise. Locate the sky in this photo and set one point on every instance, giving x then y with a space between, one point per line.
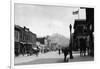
46 20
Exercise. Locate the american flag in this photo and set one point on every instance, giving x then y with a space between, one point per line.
75 12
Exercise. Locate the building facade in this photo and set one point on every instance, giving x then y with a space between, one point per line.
24 40
17 41
83 29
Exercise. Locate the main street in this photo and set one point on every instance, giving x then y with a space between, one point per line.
50 57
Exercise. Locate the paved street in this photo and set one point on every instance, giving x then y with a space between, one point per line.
50 57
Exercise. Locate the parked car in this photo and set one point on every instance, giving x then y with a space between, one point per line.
35 50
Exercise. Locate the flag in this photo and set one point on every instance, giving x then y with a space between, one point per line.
75 12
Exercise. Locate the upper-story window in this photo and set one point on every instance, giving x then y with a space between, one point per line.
17 36
80 29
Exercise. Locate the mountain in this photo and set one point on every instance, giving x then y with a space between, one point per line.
59 39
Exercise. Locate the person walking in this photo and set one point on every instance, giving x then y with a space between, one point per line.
65 51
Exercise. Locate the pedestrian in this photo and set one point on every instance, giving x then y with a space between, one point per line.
65 51
83 47
59 51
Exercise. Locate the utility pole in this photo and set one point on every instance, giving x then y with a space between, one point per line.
70 45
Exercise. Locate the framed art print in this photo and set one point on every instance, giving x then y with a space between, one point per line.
45 34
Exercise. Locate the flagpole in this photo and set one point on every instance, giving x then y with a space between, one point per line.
78 13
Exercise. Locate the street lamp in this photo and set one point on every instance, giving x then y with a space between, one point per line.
70 45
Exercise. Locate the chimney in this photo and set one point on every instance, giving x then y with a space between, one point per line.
27 29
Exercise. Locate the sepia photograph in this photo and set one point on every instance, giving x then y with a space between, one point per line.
45 34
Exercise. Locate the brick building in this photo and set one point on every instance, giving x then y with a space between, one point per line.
24 40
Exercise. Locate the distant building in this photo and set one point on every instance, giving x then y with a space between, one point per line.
41 40
24 40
